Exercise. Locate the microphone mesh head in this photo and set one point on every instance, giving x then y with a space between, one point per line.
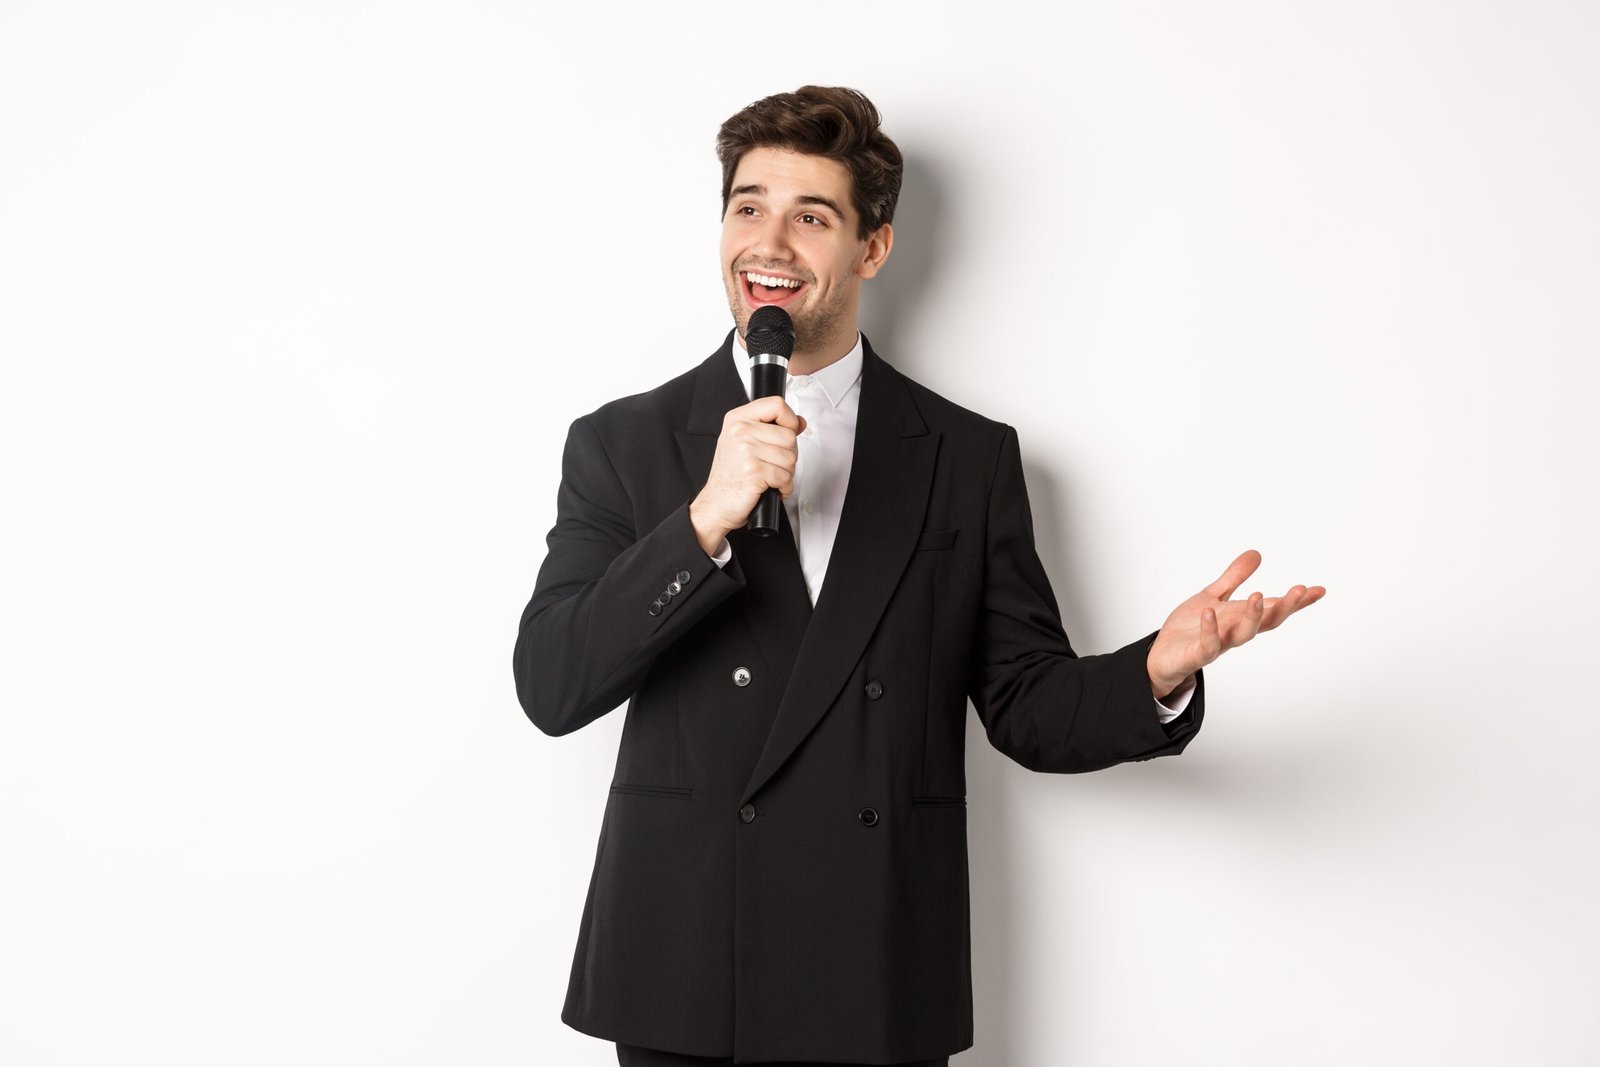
770 332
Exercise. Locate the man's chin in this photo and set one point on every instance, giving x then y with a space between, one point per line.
742 313
802 332
805 336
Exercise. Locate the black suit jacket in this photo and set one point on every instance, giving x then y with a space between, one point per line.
782 864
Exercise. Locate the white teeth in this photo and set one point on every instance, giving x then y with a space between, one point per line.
771 282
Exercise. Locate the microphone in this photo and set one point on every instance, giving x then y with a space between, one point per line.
769 338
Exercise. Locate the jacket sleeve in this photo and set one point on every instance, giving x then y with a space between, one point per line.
607 601
1042 704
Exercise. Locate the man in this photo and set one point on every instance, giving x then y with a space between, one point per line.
781 875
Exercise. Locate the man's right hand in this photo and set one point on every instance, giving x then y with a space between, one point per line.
756 450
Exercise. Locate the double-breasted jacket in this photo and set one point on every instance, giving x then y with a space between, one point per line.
781 872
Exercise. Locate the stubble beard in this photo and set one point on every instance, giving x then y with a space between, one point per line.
813 327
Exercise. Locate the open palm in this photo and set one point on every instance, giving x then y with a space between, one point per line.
1208 624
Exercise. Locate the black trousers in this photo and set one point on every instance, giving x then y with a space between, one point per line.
635 1056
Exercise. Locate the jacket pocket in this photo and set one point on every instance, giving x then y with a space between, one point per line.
932 539
671 792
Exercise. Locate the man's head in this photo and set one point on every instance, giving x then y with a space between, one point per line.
809 184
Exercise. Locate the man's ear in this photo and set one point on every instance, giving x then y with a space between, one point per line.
879 242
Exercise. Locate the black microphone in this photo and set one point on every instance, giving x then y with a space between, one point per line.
769 338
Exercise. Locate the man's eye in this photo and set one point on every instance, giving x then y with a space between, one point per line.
808 219
747 210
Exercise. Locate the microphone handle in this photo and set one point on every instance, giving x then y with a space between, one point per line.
764 519
769 375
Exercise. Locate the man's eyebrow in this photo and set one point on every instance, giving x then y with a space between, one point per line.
761 190
823 201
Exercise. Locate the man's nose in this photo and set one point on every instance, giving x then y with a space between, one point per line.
772 240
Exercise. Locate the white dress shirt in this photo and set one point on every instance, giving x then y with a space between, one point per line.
828 400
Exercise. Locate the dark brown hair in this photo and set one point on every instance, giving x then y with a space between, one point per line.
837 123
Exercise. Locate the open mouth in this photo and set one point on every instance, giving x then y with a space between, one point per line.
762 289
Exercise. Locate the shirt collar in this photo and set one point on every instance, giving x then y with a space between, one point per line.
836 379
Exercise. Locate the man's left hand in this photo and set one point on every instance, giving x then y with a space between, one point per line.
1208 624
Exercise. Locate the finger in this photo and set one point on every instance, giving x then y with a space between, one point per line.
1237 571
770 409
1278 608
770 433
1210 635
1293 602
1255 611
774 455
748 458
778 478
1240 620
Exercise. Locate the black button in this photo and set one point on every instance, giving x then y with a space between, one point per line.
874 690
741 676
674 588
683 576
868 816
655 607
748 812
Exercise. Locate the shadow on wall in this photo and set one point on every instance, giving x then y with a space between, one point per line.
892 301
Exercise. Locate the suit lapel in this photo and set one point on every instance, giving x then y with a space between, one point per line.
891 473
717 390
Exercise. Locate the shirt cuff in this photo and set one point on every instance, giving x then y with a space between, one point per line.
1176 701
723 554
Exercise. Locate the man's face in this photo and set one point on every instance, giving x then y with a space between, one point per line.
790 221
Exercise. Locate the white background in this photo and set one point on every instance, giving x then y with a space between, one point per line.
298 299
